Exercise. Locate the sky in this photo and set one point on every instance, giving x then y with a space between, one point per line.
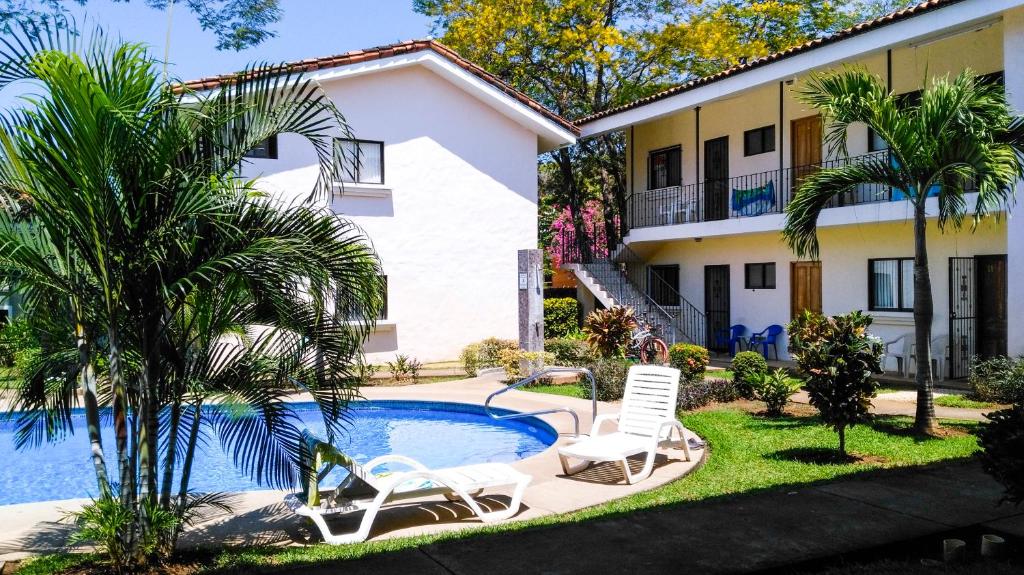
308 29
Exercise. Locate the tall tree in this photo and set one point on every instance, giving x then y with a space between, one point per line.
961 137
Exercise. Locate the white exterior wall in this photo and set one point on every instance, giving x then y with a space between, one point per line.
1013 47
459 200
845 252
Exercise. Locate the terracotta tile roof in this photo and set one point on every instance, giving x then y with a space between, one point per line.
890 18
407 47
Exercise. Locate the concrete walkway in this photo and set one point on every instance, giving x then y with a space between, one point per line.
728 535
882 405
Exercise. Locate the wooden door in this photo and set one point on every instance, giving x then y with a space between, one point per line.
804 287
805 148
991 305
716 304
716 179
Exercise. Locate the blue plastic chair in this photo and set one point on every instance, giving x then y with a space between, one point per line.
731 337
770 336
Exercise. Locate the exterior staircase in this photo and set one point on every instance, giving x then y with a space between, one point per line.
618 279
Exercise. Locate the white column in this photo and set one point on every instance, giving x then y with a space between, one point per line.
1013 65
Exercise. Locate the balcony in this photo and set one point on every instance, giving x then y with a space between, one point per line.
744 196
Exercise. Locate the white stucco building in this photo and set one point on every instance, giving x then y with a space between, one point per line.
712 164
446 188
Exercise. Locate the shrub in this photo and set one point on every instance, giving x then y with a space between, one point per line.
837 356
561 316
484 354
518 363
774 390
1002 439
404 367
747 366
569 352
364 371
692 360
107 523
609 378
609 330
997 380
700 392
15 336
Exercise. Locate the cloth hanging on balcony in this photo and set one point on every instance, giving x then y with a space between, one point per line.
754 201
897 194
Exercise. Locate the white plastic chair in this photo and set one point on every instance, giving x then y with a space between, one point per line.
364 491
940 356
899 349
645 423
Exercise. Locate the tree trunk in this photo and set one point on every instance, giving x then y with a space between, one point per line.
172 452
842 441
87 380
120 407
924 420
186 466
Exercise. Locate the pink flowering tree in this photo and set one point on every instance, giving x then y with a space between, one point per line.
563 233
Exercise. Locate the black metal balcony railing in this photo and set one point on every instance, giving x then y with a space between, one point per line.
742 196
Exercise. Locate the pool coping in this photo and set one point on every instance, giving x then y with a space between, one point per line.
259 517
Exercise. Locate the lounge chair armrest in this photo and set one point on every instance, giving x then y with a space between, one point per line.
670 423
595 429
378 461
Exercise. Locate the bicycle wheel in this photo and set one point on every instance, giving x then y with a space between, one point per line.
654 350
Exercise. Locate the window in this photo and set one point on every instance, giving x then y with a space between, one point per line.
267 149
357 314
875 142
996 78
891 284
759 141
665 168
359 161
663 284
760 276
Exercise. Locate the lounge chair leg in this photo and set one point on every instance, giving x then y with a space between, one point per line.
570 469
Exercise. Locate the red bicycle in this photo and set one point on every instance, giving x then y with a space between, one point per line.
647 347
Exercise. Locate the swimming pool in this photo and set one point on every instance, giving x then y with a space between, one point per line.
439 434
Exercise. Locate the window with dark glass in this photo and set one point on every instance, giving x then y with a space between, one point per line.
875 142
760 276
359 161
665 168
891 284
996 78
267 149
759 141
359 313
663 284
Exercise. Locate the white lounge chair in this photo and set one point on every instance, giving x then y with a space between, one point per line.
364 491
645 423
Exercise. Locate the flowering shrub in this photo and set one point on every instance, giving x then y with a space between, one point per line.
692 360
485 354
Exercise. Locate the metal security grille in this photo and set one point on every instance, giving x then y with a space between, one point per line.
962 315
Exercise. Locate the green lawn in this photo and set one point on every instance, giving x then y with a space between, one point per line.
962 402
7 378
748 453
569 389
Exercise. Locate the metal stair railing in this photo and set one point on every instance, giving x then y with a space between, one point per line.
534 377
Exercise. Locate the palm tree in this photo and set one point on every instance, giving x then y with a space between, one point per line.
159 281
960 138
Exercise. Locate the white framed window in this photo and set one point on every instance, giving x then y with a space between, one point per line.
358 161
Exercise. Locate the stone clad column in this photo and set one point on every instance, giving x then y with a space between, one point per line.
1013 66
531 300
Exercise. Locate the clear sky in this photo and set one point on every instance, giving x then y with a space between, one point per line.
309 28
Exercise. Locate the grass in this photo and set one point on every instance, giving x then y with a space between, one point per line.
569 389
392 382
749 453
723 374
955 400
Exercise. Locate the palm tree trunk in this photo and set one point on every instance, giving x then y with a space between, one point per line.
924 420
124 463
87 380
172 445
186 465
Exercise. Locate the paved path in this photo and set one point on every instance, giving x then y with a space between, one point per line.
728 535
882 406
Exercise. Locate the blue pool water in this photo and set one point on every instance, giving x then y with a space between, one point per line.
437 434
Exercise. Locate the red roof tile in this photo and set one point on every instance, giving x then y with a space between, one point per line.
407 47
